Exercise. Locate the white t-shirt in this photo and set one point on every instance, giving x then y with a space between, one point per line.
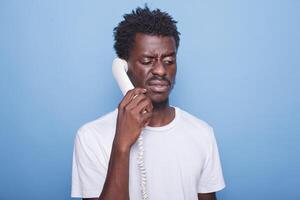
181 159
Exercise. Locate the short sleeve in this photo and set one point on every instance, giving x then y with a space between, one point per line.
211 179
89 165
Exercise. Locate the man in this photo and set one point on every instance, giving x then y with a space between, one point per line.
181 155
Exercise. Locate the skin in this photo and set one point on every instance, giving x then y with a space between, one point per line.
152 70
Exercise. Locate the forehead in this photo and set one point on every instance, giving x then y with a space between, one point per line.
153 44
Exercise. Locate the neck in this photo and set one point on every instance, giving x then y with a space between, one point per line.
163 114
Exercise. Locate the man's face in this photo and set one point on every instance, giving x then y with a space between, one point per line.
152 65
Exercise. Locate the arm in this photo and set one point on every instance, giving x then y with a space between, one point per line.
207 196
130 123
211 179
116 183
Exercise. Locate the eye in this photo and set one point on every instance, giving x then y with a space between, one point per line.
169 61
146 61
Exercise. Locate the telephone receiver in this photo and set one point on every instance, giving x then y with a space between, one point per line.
119 70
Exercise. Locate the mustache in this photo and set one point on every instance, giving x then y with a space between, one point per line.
158 78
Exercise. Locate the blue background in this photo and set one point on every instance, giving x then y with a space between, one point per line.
238 69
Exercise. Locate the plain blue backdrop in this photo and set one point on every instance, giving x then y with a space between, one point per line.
238 69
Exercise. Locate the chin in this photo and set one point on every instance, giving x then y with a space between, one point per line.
159 98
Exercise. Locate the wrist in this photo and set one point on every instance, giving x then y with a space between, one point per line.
120 148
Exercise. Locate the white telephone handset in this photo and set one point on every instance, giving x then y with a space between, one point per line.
119 70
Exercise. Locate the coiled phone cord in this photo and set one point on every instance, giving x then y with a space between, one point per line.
141 165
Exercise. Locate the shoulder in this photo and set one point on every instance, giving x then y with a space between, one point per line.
193 120
194 123
102 127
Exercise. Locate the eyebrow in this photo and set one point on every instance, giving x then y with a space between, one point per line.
173 53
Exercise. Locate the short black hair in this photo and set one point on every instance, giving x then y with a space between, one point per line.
143 20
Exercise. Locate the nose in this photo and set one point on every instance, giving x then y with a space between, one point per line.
159 69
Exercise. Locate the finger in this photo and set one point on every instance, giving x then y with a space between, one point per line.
149 106
146 118
135 101
130 95
143 104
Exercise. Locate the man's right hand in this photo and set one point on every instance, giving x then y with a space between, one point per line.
134 113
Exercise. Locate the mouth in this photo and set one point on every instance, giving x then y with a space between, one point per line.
159 86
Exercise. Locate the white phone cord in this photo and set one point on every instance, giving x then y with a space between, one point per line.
142 168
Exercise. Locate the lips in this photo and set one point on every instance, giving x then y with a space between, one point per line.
159 86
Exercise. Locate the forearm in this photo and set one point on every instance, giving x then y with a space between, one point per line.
116 183
130 122
207 196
